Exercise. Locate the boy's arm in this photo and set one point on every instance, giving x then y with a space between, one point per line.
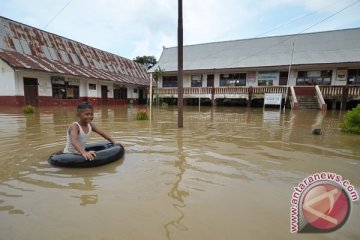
102 133
74 135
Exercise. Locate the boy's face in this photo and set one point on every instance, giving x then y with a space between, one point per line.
86 116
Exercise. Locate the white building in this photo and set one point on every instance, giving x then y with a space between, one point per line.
41 68
329 58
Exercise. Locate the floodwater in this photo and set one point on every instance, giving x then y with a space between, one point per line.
228 174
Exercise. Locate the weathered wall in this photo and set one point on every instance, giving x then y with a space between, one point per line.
7 80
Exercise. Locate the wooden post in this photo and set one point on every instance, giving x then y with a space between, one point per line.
150 96
199 97
250 92
180 102
213 96
333 105
344 97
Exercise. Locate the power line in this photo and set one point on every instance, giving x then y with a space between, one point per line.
323 20
294 19
294 36
57 14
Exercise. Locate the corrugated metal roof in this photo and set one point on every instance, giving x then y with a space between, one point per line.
340 46
25 47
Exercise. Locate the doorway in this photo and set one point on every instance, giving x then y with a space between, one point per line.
31 93
283 79
104 95
210 80
141 96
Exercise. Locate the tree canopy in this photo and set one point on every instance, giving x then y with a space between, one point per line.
148 61
158 73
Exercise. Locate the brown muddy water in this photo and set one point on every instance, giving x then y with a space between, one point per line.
228 174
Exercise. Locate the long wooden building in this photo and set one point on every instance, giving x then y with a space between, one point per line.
314 70
41 68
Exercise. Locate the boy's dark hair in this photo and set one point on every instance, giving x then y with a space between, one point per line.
84 105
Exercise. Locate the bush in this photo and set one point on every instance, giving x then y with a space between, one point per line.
142 115
351 122
28 109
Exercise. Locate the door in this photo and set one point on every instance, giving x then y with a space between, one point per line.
210 80
141 96
31 93
104 95
283 79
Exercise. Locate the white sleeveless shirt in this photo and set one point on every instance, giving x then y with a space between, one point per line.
83 137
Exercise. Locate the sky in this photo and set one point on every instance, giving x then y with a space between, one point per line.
131 28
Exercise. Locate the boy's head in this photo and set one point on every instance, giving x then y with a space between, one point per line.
83 106
85 112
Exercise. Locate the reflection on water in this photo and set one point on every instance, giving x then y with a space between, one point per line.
175 192
223 176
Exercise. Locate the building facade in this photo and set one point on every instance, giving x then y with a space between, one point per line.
238 69
40 68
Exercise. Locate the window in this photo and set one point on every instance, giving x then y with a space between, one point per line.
92 86
265 82
169 81
326 77
301 78
120 92
62 89
354 77
267 78
135 90
196 80
317 77
234 79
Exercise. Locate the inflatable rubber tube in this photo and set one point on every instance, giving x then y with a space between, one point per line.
105 153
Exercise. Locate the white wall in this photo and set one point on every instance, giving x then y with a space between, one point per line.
45 87
187 80
276 80
334 79
292 79
216 80
293 76
13 84
131 93
93 93
44 82
110 90
7 77
83 88
253 82
204 80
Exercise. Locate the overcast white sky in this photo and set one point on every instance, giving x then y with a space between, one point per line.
131 28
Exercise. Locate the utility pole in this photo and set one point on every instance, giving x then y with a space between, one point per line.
150 94
287 83
180 65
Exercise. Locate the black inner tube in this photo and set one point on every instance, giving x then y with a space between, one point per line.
105 153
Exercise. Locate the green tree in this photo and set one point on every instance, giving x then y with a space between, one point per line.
148 61
158 73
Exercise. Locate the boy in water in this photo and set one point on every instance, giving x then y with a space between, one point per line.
79 132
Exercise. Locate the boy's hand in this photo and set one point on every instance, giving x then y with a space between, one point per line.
90 155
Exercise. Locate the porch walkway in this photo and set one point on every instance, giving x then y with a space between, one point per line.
342 94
